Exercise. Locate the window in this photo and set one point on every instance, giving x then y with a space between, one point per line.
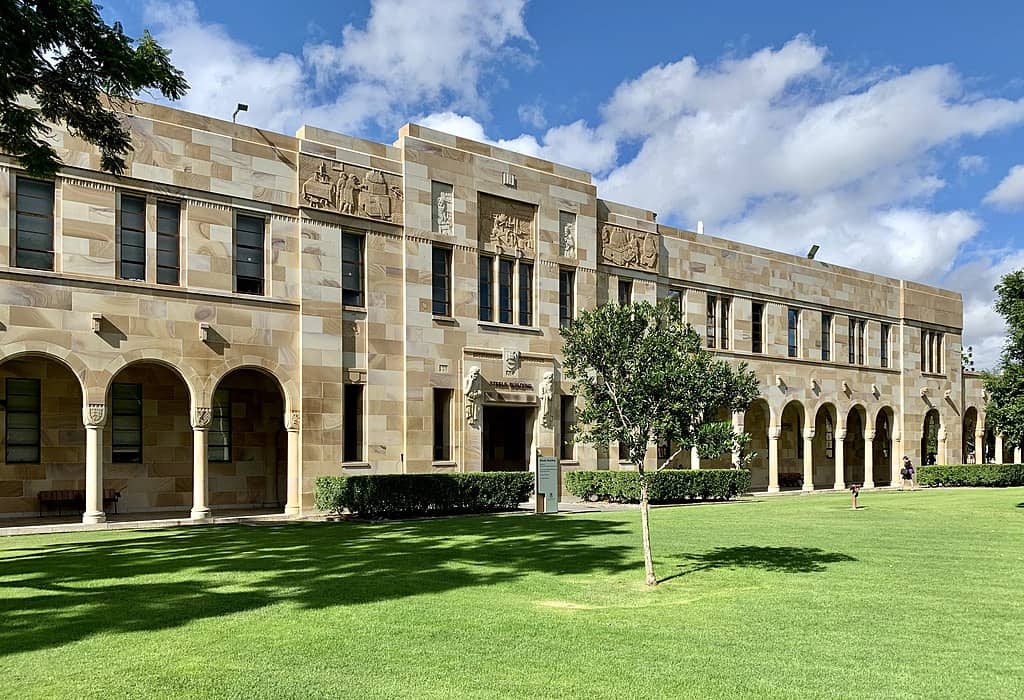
625 292
568 421
931 352
131 249
856 342
830 438
352 270
798 434
885 344
33 233
219 437
126 422
506 271
441 281
486 279
249 235
21 434
442 425
793 332
757 327
525 294
168 227
938 352
860 342
724 336
566 297
712 319
675 296
826 337
353 419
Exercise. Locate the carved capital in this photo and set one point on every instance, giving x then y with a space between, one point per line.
202 416
94 415
869 435
774 433
292 420
841 434
809 433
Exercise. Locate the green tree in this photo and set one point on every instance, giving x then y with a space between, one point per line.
60 63
645 378
1005 409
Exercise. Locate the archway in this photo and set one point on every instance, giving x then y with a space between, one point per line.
853 446
824 446
990 445
970 452
247 446
147 451
755 424
42 432
930 438
791 446
881 448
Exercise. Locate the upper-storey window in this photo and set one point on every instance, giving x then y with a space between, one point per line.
352 270
884 349
525 293
22 427
931 351
757 327
726 314
126 422
625 292
249 237
676 297
793 332
826 337
33 232
506 276
486 287
441 281
856 341
566 297
168 232
131 249
515 290
712 320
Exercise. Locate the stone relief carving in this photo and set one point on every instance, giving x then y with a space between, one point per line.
511 360
473 388
293 420
351 189
95 414
545 392
506 224
444 207
567 234
628 247
202 417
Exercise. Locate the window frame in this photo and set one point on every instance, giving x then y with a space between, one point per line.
262 253
35 412
441 272
353 293
711 322
122 230
793 332
126 452
353 432
725 318
625 290
17 214
884 344
442 405
567 421
220 424
161 204
566 297
506 292
485 287
757 327
827 321
524 284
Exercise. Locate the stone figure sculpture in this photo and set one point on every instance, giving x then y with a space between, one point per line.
444 212
512 359
473 388
545 393
567 240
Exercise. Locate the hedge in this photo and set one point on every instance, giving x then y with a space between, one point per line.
405 495
971 475
666 486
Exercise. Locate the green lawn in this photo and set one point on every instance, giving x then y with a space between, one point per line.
918 594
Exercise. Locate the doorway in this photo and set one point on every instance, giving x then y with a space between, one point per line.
506 438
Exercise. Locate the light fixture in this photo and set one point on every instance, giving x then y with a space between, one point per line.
813 251
97 322
204 332
242 107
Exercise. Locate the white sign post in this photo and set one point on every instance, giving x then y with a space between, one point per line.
547 485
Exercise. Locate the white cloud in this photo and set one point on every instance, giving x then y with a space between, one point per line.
532 115
1009 193
972 164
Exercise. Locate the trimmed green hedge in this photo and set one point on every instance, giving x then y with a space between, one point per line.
971 475
666 486
405 495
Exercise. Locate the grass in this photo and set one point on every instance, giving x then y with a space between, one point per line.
918 594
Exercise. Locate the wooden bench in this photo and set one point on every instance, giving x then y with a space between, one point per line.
73 500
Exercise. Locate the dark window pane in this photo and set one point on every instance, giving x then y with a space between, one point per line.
726 307
486 284
442 425
505 274
30 241
249 237
757 327
525 294
22 430
566 298
794 332
826 337
352 270
352 450
441 263
33 260
712 320
625 292
219 433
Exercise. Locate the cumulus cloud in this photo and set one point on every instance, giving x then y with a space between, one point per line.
972 164
1009 193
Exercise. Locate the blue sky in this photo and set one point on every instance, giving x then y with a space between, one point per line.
887 133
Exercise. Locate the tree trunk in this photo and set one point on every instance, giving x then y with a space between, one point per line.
645 526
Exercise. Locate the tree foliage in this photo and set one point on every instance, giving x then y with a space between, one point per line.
1005 409
61 63
644 377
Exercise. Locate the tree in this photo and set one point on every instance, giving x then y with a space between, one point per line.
1005 408
61 63
644 377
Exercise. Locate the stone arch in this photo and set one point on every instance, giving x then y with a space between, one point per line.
970 451
824 444
104 378
287 385
882 447
67 358
756 422
792 422
931 435
854 457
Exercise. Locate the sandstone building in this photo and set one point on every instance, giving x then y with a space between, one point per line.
244 311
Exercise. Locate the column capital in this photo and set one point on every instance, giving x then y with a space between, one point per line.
292 421
201 417
808 433
869 434
94 415
774 433
841 434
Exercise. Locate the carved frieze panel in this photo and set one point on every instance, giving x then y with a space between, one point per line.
350 189
567 234
507 225
627 247
442 202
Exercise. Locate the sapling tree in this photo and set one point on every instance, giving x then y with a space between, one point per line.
644 377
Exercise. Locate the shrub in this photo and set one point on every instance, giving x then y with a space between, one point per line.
404 495
667 486
791 479
971 475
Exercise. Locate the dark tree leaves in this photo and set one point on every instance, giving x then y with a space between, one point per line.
1005 408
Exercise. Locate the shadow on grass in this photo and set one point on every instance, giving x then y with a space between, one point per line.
55 594
790 560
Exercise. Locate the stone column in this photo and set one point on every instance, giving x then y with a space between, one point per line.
292 424
999 448
94 417
896 456
694 458
200 464
808 459
943 456
979 446
840 451
1017 455
869 459
737 426
773 459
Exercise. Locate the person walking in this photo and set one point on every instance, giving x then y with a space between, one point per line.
907 474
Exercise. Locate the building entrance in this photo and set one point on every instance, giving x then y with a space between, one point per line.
505 438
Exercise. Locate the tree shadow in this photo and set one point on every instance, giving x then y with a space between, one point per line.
55 594
1020 505
790 560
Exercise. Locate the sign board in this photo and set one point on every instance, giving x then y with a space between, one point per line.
547 484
